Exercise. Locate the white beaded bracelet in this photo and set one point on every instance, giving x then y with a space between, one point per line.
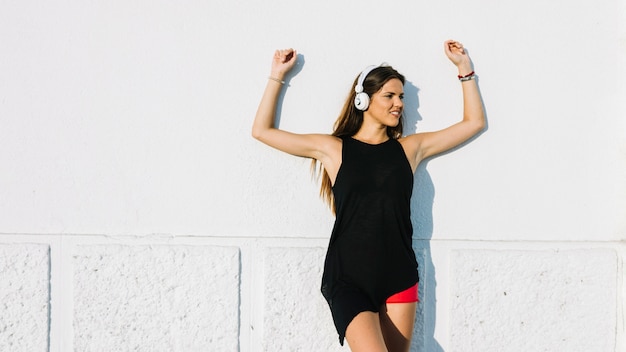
276 79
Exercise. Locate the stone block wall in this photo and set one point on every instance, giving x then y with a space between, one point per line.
155 298
24 297
169 293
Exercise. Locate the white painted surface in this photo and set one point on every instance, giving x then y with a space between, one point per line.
128 124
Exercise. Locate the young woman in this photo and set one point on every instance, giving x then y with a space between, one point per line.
370 272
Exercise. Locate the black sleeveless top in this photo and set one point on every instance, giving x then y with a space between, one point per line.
370 256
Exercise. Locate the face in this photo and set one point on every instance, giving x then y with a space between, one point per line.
386 104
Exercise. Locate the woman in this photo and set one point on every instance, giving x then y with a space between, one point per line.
370 272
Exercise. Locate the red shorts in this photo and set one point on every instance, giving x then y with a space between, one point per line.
407 296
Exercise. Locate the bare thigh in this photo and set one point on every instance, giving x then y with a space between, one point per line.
396 321
364 333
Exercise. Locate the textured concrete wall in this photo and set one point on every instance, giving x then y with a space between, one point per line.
24 297
156 298
179 293
137 213
536 299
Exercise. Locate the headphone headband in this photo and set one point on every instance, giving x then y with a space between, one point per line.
359 85
361 99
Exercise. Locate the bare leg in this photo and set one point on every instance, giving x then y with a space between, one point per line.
364 333
396 321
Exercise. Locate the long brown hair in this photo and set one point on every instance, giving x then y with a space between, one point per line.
350 120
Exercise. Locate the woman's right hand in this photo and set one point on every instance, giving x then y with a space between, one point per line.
282 62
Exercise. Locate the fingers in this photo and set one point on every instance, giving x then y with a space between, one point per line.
452 46
284 60
285 55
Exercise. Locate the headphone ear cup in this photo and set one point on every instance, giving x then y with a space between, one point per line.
361 101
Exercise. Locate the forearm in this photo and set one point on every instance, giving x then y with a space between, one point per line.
472 102
266 112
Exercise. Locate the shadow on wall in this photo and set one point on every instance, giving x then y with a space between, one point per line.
294 71
422 218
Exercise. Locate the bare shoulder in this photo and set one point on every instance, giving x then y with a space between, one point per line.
330 154
330 148
411 145
331 144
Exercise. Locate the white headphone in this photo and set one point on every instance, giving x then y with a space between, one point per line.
362 100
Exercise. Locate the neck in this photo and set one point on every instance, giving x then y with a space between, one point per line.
372 134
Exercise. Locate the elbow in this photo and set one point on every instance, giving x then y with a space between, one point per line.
478 123
476 127
261 135
481 125
257 133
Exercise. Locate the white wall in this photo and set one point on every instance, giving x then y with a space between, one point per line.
136 205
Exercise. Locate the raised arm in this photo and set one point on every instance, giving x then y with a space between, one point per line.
423 145
307 145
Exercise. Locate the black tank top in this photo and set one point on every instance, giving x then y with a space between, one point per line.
370 255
